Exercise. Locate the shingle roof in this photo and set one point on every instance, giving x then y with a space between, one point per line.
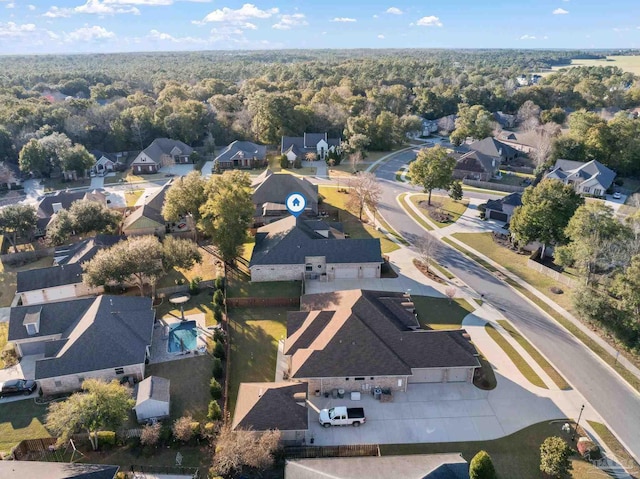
355 333
84 250
97 154
492 147
592 170
290 240
306 143
275 187
55 470
476 161
245 148
65 198
412 466
153 387
152 209
163 146
265 406
513 199
114 331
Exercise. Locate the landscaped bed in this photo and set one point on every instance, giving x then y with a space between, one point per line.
442 207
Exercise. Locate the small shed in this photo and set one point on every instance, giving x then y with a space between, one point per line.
152 399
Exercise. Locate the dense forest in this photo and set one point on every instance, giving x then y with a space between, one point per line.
119 102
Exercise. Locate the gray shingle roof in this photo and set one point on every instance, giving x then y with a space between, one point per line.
152 208
275 187
290 240
163 146
55 470
354 333
97 154
245 148
306 143
476 161
266 406
51 277
492 147
587 171
84 250
153 387
513 199
113 332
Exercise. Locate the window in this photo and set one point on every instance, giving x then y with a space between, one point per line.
319 266
346 379
359 379
57 384
31 329
119 370
308 267
586 189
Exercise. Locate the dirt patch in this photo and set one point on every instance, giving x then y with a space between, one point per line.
424 269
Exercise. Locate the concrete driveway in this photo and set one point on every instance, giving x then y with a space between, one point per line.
178 170
26 369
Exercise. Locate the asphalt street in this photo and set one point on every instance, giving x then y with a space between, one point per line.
614 400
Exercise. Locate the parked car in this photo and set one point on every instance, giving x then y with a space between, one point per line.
342 416
14 387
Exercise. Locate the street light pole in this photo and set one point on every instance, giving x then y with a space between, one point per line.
575 431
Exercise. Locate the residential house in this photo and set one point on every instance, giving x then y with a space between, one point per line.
56 470
270 192
295 248
62 200
107 337
474 165
105 162
153 399
241 154
161 152
592 178
495 149
297 147
268 406
358 340
504 119
412 466
429 127
502 209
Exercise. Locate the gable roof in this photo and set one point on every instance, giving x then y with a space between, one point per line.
55 470
357 333
290 240
306 143
84 250
476 161
513 199
275 187
96 333
45 208
266 406
412 466
164 146
245 149
492 147
153 387
97 154
151 210
592 170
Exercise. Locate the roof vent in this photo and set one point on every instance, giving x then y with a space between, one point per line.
56 207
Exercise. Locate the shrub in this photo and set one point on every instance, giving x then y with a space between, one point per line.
284 161
555 290
219 283
218 297
194 285
218 335
215 389
182 429
215 413
150 434
219 351
165 433
209 428
9 355
297 163
554 457
217 313
195 428
481 467
218 370
106 438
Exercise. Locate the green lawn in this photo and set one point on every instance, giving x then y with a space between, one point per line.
246 289
613 445
335 202
115 179
132 197
440 313
524 367
54 184
247 248
205 270
445 203
21 420
403 202
514 456
189 384
8 278
535 354
306 171
254 334
199 303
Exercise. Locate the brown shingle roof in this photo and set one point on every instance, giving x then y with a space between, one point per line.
266 406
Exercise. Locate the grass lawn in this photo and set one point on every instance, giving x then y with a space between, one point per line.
403 202
54 184
205 270
132 197
514 456
336 201
21 420
189 384
130 177
247 248
628 63
8 278
199 303
4 332
306 171
440 313
246 289
524 367
535 354
254 334
114 179
618 449
446 204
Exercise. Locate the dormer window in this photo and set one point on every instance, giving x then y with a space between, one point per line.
32 322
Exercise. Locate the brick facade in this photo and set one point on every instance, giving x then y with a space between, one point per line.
364 385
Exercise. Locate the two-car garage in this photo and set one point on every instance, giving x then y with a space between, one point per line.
355 272
441 375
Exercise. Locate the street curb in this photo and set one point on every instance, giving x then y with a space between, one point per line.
386 157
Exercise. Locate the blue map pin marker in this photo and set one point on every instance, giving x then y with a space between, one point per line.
296 203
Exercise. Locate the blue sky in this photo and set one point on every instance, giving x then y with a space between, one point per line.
69 26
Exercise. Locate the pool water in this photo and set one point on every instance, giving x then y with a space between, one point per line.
182 337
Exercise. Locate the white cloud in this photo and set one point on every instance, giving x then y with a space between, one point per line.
57 12
527 37
242 14
95 7
381 37
288 21
151 3
12 29
560 11
344 20
89 34
31 7
375 16
430 21
394 11
160 36
11 5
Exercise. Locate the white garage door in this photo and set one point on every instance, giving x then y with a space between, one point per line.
426 376
370 272
346 273
457 375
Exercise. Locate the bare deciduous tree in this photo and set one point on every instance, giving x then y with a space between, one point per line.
354 159
425 248
182 429
235 449
150 434
450 292
364 193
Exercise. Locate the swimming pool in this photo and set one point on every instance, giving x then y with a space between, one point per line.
183 337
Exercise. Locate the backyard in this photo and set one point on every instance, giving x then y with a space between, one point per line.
241 288
21 420
208 269
8 278
198 303
441 313
454 209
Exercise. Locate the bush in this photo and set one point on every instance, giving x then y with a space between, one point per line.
106 438
215 413
297 163
209 428
284 161
182 429
9 355
150 434
194 285
217 313
218 297
218 335
165 433
219 283
555 290
215 388
219 351
554 457
481 467
218 370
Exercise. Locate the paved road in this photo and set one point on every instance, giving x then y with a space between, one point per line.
614 400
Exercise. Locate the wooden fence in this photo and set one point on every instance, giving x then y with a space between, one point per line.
552 273
488 185
182 288
356 450
23 257
263 302
27 446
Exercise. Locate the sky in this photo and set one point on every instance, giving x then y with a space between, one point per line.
87 26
